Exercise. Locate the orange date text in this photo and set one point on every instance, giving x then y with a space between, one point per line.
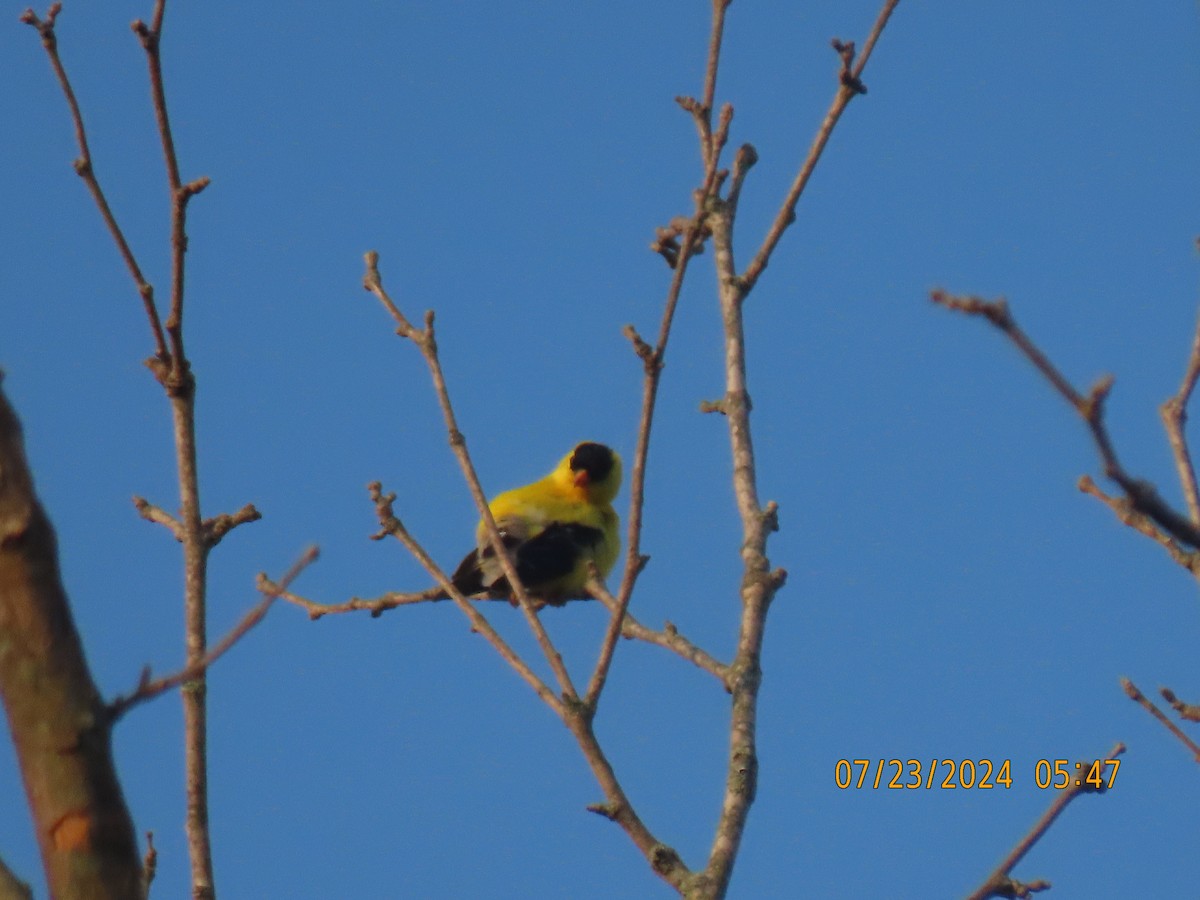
918 774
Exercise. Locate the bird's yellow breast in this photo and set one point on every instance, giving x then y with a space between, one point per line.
553 529
528 510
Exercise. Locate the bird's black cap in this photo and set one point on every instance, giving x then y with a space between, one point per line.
595 459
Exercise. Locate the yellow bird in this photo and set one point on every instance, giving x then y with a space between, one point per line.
552 528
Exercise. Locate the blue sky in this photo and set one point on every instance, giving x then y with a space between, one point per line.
951 594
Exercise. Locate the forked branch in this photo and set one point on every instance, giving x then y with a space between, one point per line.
172 369
1125 512
426 342
149 688
1174 416
760 582
1142 496
83 167
575 713
850 85
1142 700
1001 883
712 217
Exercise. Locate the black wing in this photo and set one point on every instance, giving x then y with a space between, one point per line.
555 552
550 555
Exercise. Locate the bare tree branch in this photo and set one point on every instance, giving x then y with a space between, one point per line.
148 688
1001 883
1123 509
652 364
759 581
631 628
677 243
663 859
214 529
426 342
391 524
219 526
376 606
1138 697
83 166
608 645
151 37
670 639
693 231
159 516
173 371
1090 407
1188 711
849 86
1174 416
176 376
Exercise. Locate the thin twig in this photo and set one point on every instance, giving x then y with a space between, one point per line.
872 39
375 606
172 369
148 688
743 161
1000 883
701 110
214 529
652 366
653 358
1122 508
669 638
149 865
1188 711
178 380
159 516
426 342
1138 697
1090 407
608 644
391 524
83 167
151 38
849 86
663 859
219 526
693 231
1174 416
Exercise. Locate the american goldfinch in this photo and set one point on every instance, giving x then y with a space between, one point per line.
552 528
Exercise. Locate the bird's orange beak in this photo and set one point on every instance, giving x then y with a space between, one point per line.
581 480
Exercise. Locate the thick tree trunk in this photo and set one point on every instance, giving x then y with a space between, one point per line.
58 720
